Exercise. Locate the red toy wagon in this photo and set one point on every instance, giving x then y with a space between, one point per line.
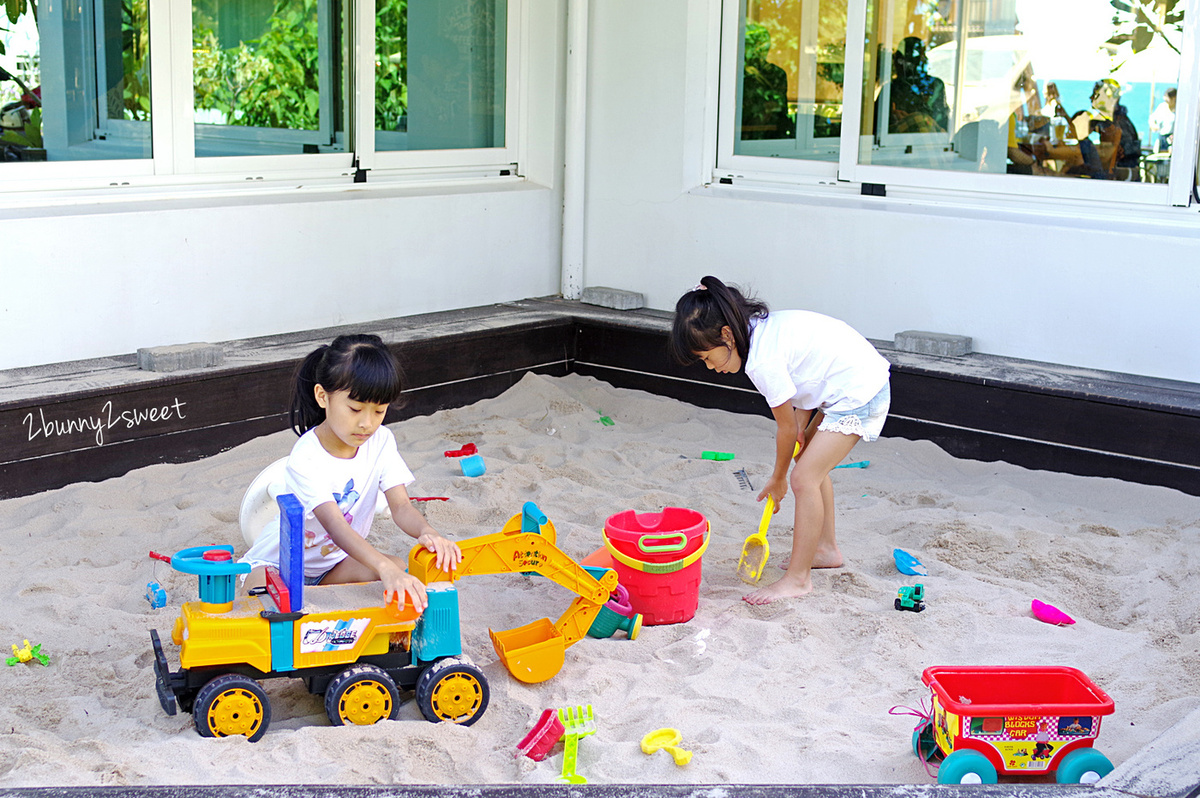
1013 720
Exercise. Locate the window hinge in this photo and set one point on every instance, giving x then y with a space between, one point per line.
360 174
874 190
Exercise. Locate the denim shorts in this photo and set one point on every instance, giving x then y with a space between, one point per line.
865 422
315 580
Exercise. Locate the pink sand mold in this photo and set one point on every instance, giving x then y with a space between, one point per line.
541 738
1047 613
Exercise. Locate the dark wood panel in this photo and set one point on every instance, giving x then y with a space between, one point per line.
988 447
1096 423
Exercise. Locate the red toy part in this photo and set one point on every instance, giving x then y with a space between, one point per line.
429 498
466 450
278 590
545 733
154 555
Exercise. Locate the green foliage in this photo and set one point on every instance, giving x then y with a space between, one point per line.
270 81
391 64
30 136
1139 23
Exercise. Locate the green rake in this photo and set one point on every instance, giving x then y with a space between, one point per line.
577 722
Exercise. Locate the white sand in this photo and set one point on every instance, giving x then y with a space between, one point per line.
795 692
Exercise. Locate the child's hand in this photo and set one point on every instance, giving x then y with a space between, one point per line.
777 488
397 582
447 554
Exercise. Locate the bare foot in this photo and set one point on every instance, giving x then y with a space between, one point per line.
784 588
822 559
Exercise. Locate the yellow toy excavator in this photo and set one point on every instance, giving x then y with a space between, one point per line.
344 643
534 652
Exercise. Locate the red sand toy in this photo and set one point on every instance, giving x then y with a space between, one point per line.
1013 720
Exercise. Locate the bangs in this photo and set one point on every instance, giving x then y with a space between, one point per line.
688 338
370 375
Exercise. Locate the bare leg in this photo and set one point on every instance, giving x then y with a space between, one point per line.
810 533
827 554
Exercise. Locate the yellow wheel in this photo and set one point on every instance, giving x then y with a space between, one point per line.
361 695
232 705
452 690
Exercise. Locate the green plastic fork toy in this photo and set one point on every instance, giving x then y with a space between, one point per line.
577 722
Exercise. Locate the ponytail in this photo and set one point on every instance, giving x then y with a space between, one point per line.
701 313
360 364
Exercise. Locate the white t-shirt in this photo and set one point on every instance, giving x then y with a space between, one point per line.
814 361
316 477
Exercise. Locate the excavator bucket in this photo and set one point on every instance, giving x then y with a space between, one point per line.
532 653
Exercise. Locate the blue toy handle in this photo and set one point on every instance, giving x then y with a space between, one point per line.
532 518
191 561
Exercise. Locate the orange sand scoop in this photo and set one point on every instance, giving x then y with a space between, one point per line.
756 549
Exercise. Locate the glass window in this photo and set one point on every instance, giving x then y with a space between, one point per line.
793 54
269 76
440 74
75 81
1063 89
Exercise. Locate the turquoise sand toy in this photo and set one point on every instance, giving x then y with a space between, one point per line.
908 564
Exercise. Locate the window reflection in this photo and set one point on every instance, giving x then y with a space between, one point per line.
793 60
75 81
439 74
1064 89
269 76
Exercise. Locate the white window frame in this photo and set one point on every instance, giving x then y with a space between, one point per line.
173 161
849 170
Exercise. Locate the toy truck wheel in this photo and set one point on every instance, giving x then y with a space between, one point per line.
453 690
1083 766
232 705
361 695
966 767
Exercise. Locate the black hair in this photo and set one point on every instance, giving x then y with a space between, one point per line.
360 364
702 312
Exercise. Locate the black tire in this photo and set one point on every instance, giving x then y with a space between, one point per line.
453 690
361 695
232 705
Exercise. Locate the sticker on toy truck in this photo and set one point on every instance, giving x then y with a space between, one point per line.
333 634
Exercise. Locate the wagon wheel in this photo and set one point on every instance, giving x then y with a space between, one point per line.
230 705
1083 766
966 767
924 743
453 690
361 695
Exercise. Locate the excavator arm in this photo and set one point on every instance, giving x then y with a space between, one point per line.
534 652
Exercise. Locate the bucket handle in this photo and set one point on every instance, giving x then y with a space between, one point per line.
657 567
659 548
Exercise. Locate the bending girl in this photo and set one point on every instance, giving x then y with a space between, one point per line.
827 388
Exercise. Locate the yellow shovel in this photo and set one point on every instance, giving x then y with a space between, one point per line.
756 549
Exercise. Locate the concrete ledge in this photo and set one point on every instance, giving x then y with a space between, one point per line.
1015 790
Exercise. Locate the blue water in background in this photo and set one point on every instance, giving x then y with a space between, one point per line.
1076 96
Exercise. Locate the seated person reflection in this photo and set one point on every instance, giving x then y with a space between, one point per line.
1110 120
918 99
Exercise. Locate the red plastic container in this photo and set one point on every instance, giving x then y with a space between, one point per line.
541 738
658 559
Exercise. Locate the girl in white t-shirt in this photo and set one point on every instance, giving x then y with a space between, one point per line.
827 388
343 459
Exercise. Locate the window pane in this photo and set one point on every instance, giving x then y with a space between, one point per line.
269 76
790 97
75 83
1063 89
439 74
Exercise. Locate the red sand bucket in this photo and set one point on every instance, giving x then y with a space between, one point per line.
657 558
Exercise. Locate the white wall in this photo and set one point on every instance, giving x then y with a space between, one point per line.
105 279
1108 294
107 283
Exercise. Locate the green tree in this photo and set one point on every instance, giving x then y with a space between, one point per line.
1139 22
